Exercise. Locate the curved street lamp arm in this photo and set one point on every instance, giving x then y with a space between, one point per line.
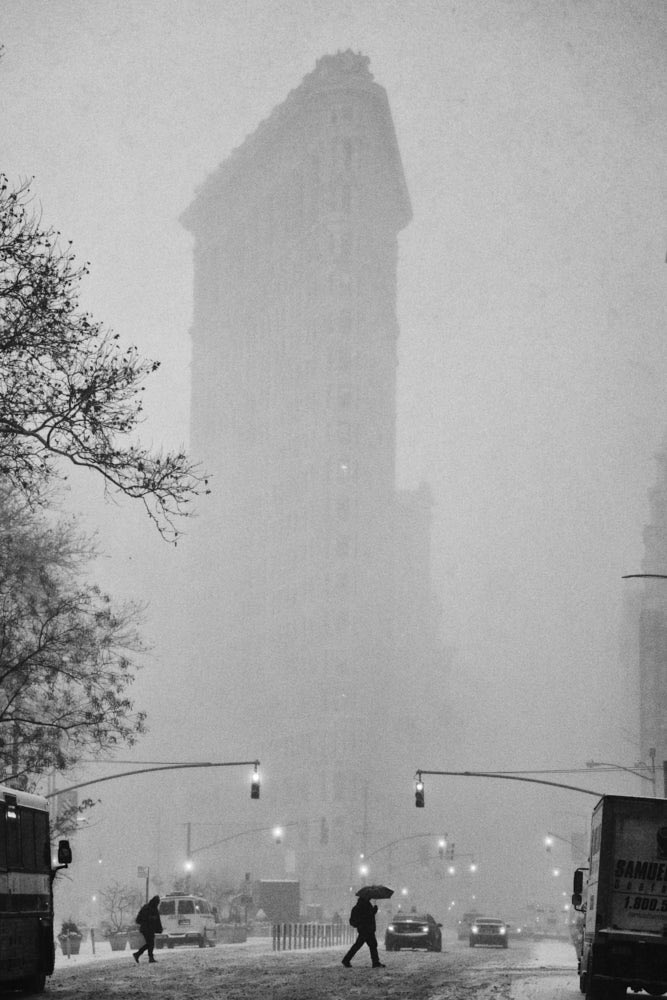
233 836
621 767
399 841
564 840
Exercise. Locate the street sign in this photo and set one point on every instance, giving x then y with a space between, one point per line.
142 871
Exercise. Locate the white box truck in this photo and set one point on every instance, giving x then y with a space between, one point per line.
623 898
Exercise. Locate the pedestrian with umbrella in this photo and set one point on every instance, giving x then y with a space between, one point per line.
362 918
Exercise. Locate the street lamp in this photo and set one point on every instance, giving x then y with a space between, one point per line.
189 868
636 768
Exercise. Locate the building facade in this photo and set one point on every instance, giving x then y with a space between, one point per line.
313 571
652 607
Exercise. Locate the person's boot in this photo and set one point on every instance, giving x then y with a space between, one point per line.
135 956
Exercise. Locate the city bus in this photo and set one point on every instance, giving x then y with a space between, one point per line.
27 951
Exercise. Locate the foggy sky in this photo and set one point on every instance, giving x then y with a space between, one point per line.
531 296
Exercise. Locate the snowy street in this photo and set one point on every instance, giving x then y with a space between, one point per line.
528 970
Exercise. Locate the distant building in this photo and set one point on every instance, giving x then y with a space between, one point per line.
652 607
313 569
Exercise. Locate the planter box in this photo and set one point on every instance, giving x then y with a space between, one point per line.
118 942
260 928
231 933
135 939
70 943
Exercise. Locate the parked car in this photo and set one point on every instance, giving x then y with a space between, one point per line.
186 920
413 930
488 930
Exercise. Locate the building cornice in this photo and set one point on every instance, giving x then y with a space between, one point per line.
345 71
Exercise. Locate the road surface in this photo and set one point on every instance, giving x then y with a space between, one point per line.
527 970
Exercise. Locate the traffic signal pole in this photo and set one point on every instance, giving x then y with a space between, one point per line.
254 787
419 783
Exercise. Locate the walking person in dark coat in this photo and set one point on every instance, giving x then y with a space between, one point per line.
363 915
150 924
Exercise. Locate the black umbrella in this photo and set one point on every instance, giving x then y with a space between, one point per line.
375 892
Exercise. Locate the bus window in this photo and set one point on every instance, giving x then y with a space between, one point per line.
186 906
3 836
13 829
28 840
42 844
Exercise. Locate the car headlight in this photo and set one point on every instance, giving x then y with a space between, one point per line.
475 930
503 930
425 929
391 927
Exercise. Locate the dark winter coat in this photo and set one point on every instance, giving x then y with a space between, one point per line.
148 917
365 911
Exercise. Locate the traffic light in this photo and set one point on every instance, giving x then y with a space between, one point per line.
419 793
254 784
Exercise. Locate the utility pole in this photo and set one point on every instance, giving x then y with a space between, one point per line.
188 855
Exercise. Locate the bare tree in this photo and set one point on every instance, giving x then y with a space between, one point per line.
68 389
65 651
120 903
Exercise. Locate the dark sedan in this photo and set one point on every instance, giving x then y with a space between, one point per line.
488 930
413 931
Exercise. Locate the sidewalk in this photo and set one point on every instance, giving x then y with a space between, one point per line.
103 951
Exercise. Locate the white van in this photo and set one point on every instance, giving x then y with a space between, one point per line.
186 920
